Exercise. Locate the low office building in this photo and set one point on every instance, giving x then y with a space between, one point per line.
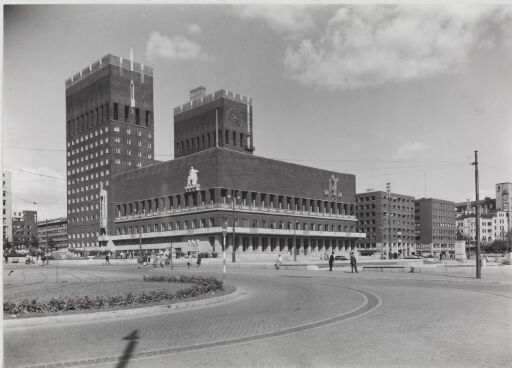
53 233
387 219
217 192
435 227
24 228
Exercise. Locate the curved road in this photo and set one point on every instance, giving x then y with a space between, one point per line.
285 319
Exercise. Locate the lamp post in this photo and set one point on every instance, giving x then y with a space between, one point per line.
295 223
388 227
224 232
233 254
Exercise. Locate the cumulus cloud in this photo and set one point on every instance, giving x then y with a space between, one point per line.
409 149
194 28
374 45
281 18
177 47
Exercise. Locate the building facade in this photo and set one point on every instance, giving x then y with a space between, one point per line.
109 129
387 219
487 206
220 194
24 228
7 206
435 226
504 199
53 233
493 226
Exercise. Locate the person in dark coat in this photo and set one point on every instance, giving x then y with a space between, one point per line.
198 260
331 261
353 262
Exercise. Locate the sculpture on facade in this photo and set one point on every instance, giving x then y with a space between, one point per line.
192 177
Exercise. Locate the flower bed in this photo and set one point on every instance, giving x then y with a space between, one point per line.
193 287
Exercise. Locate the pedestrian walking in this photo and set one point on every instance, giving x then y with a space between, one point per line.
331 261
353 262
188 259
279 262
107 259
198 260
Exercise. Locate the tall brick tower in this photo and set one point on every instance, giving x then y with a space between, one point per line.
109 129
219 119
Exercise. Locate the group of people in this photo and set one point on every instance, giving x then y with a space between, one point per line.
41 260
353 262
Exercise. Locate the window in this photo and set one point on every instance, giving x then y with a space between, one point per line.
148 117
116 112
227 136
137 116
126 112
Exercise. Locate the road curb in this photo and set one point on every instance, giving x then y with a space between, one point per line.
121 313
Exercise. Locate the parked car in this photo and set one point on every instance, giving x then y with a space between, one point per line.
340 258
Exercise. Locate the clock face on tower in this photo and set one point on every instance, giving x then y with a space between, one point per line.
235 116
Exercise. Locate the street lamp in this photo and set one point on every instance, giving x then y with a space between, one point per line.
295 223
233 255
224 232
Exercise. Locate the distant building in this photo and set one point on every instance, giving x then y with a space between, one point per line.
7 205
466 228
109 129
388 222
53 232
487 206
493 226
504 198
435 226
24 227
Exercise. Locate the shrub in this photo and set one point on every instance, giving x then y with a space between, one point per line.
198 286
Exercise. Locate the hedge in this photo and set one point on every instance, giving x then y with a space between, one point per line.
200 285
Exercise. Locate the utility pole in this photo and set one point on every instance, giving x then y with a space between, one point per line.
478 261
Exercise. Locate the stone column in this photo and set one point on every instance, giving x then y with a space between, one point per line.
259 244
207 197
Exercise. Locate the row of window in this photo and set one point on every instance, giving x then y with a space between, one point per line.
84 235
245 198
209 140
138 132
77 219
86 137
87 177
100 114
87 156
210 222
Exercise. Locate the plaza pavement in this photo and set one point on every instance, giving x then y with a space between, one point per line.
289 318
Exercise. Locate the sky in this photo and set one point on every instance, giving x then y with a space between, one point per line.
401 94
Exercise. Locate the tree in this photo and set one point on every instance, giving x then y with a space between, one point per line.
7 245
50 246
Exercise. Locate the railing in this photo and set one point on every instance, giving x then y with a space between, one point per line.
240 208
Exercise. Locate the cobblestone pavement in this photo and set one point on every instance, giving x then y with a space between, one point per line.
287 319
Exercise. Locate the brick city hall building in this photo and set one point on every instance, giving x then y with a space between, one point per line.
214 192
